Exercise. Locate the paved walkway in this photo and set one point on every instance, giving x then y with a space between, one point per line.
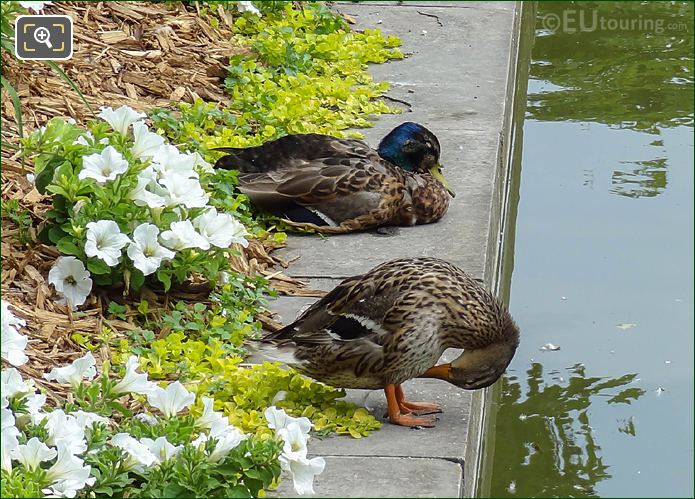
457 79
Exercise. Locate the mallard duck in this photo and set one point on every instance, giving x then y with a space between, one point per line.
392 324
334 185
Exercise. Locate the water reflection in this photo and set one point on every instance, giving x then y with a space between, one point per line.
637 75
551 434
568 433
644 179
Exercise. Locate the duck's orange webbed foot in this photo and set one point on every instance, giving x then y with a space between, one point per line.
402 415
417 408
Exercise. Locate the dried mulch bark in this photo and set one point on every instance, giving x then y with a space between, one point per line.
141 54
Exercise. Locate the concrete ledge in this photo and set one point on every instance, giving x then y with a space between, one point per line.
383 477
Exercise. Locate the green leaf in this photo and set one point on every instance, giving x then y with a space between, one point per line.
165 278
102 280
15 103
174 490
45 176
137 279
116 309
56 189
67 246
55 234
98 267
237 491
144 307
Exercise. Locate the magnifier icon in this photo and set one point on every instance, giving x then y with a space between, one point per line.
42 35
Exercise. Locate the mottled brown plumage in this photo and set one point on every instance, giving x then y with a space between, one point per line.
393 323
337 185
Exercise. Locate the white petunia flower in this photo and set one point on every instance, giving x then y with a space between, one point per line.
9 319
133 382
279 396
145 251
303 471
146 418
210 417
105 241
33 453
182 235
67 488
295 433
8 445
161 448
148 192
219 427
82 368
65 428
279 419
88 139
7 418
137 454
87 419
71 280
121 118
168 159
34 403
36 6
185 191
225 443
295 440
248 7
146 143
68 467
103 166
12 383
200 440
13 343
171 400
221 229
201 163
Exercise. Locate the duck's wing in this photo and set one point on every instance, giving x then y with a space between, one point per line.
351 313
326 191
293 152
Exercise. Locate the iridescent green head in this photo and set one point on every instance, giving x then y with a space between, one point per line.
415 149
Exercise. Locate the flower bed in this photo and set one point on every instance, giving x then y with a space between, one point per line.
134 260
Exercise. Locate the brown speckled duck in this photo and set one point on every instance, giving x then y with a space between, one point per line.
392 324
334 185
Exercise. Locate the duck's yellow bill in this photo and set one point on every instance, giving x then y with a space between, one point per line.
436 172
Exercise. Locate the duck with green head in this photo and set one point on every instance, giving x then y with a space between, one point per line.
335 185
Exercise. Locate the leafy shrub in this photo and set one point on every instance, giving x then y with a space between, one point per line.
307 74
103 440
119 186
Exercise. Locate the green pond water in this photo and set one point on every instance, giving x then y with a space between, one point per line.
602 261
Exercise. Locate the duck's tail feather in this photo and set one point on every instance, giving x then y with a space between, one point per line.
260 351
